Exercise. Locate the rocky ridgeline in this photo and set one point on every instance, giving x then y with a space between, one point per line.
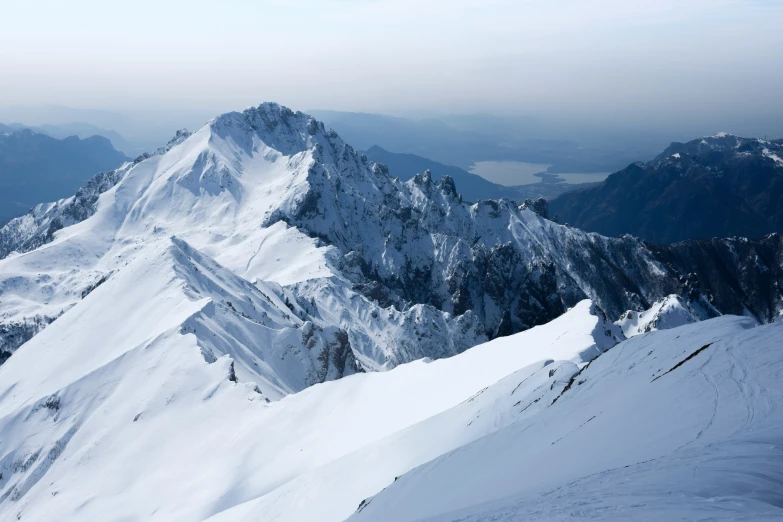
430 275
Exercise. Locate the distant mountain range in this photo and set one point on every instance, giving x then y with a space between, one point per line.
718 186
467 139
471 186
82 130
35 167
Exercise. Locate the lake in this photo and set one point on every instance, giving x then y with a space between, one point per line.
510 173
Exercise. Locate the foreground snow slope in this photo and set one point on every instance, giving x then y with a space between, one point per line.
130 422
332 492
414 395
681 424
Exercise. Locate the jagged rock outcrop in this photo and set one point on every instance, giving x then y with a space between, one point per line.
735 275
539 206
15 334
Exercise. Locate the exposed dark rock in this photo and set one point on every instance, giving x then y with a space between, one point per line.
505 327
539 206
14 334
735 275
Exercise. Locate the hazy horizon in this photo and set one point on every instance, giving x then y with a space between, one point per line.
647 63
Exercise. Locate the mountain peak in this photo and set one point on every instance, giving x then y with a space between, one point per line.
277 126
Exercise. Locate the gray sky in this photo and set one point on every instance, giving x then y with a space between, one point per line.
617 60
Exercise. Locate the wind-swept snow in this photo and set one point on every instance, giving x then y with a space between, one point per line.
132 423
777 159
681 424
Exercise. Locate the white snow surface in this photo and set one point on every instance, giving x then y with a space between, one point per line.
680 424
132 424
218 191
777 159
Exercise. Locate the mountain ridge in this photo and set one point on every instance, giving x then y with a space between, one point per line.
407 269
718 186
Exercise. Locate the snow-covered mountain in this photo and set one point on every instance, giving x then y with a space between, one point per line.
198 336
216 192
406 270
38 226
249 182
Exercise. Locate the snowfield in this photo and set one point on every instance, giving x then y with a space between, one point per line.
681 424
133 424
518 428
